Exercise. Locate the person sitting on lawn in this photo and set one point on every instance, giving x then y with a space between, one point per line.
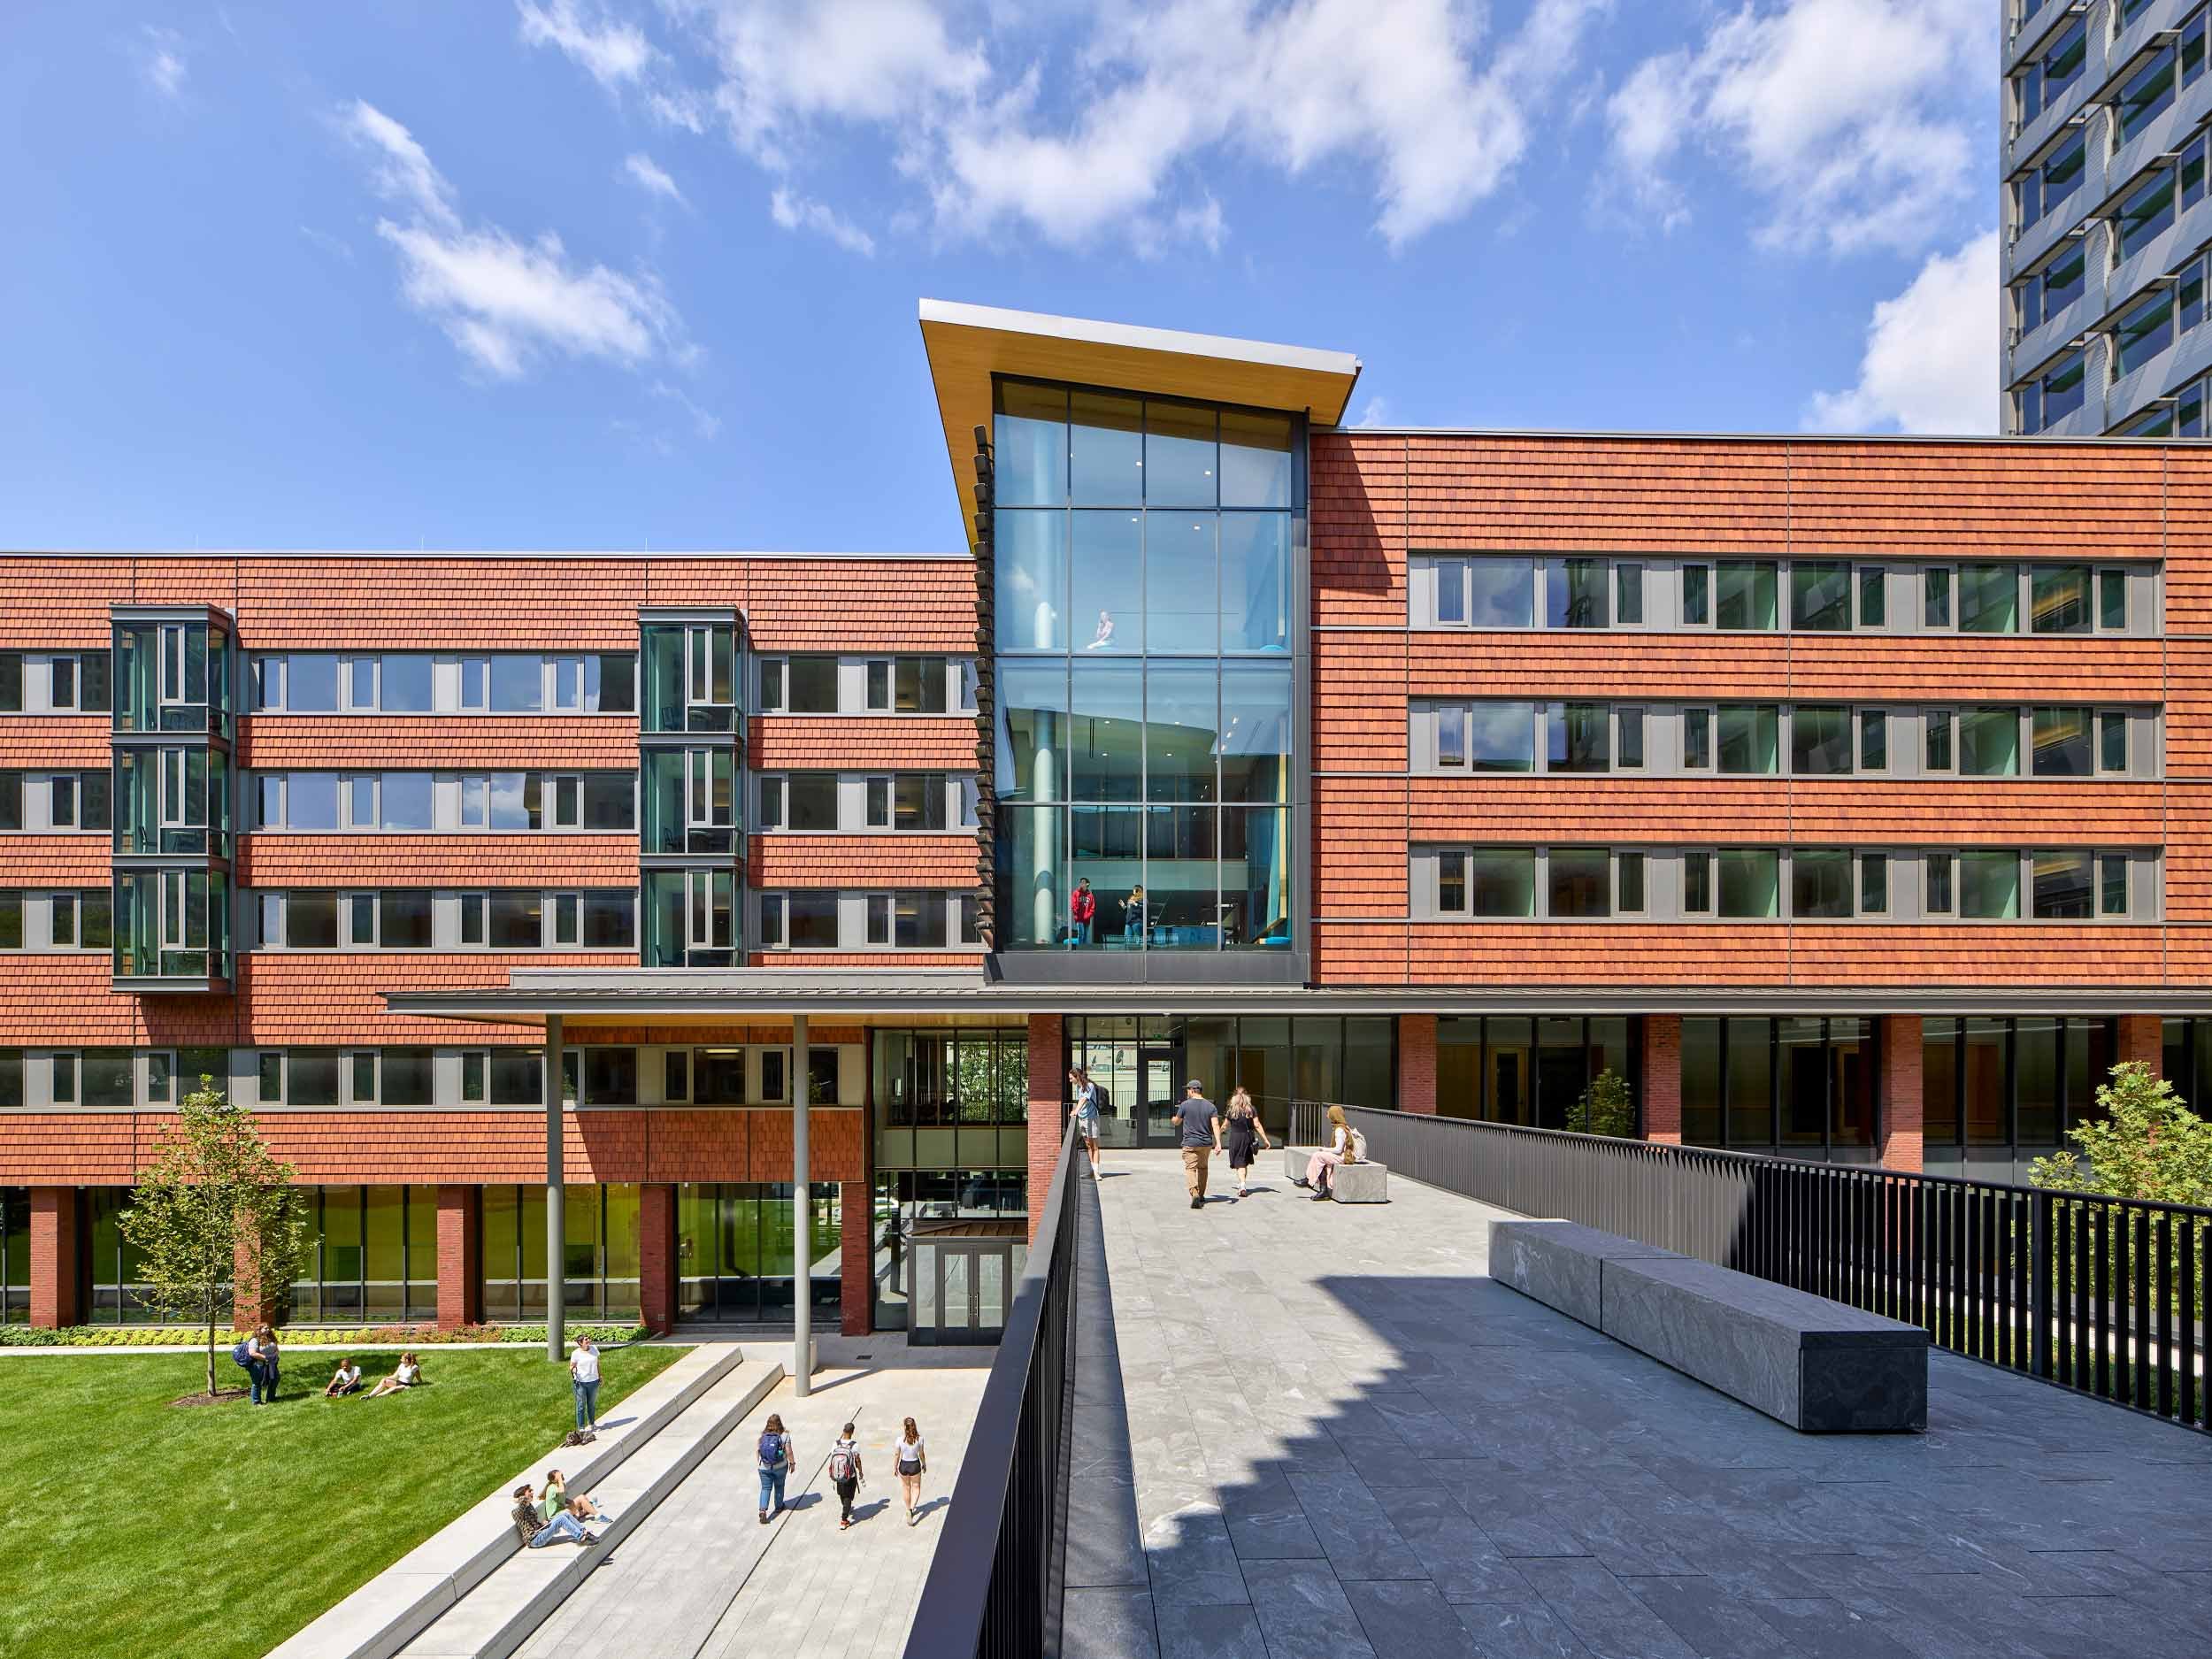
406 1374
536 1531
345 1381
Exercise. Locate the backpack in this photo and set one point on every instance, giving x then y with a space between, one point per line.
1105 1101
771 1451
239 1357
1357 1148
840 1465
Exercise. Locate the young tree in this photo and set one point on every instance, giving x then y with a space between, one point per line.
1607 1108
215 1213
2149 1145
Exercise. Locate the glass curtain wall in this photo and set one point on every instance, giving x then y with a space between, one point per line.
15 1255
1142 1063
1804 1084
118 1291
733 1249
375 1258
600 1263
942 1076
1990 1080
1528 1070
1144 605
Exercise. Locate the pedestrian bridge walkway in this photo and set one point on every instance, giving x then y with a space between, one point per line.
1343 1438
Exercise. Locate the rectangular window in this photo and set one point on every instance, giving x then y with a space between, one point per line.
676 1075
1749 741
1935 596
1697 740
1628 594
918 684
472 919
1820 596
1873 740
1936 897
476 679
2062 742
568 802
472 1069
812 685
877 697
1873 884
1989 598
2146 93
1989 885
1744 592
2112 884
1451 591
811 920
1451 883
1750 883
1628 883
2112 600
2112 740
1501 737
1820 740
2143 331
515 919
919 800
1989 742
811 802
1501 593
1697 883
1628 737
517 685
1451 738
1935 754
310 920
567 919
1574 593
1820 884
1501 881
1580 883
2064 886
361 918
1576 737
1873 596
1697 606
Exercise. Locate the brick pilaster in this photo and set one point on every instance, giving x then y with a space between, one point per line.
656 1267
1416 1063
460 1257
247 1306
856 1256
54 1266
2142 1037
1902 1126
1659 1090
1048 1108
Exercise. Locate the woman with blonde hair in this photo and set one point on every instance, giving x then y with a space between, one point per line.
1323 1164
910 1461
1245 1132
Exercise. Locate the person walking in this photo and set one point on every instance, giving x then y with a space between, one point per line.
1085 1111
845 1474
773 1455
1201 1139
583 1374
1132 918
261 1365
1245 1132
1082 911
1323 1164
911 1459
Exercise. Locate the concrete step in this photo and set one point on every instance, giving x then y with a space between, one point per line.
499 1615
384 1615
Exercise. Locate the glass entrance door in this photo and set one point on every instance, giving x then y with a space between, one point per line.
1161 1066
962 1287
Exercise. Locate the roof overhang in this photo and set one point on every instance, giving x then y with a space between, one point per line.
707 997
968 344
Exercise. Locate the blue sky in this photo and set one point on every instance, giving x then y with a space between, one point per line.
586 273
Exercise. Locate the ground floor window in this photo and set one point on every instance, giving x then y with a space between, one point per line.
2188 1062
375 1259
118 1293
1143 1062
733 1249
15 1255
918 1198
1804 1083
1991 1080
600 1265
1518 1068
939 1076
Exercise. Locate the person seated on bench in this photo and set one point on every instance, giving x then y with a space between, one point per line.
556 1497
1323 1164
345 1381
536 1531
406 1374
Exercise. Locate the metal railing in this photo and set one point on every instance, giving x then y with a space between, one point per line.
997 1584
2105 1296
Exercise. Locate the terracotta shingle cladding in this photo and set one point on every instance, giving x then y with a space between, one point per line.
1377 497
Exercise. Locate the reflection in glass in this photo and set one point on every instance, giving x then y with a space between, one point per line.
1501 881
1106 564
1032 566
2064 887
1029 445
1256 456
1989 885
1748 737
1574 594
1256 876
1179 457
1820 740
1032 743
1255 603
1030 904
1501 737
1744 593
2059 598
1820 884
1820 594
1107 730
1106 450
1256 732
1989 742
1182 598
1581 882
1750 882
1182 718
1989 598
1502 593
1577 737
2062 742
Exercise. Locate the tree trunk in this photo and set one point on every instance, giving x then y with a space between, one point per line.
211 1348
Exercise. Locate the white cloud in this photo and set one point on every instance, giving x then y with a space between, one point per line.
1860 121
704 422
1930 362
503 300
1409 91
161 59
650 177
612 53
793 211
1374 413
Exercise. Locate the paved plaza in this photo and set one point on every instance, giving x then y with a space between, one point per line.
702 1579
1343 1438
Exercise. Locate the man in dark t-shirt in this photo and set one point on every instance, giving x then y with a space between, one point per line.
1202 1139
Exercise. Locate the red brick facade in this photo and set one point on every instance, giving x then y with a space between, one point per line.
1047 1106
1416 1063
1901 1106
1659 1091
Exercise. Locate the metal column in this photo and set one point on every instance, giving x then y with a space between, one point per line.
802 1216
556 1223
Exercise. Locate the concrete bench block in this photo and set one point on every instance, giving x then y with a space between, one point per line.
1557 1263
1813 1363
1295 1162
1363 1183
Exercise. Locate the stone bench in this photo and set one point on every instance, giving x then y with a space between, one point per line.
1366 1182
1817 1365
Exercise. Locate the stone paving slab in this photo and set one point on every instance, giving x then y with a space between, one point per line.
1345 1437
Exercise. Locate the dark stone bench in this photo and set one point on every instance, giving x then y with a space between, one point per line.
1803 1360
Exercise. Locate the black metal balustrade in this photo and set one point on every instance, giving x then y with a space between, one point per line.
2102 1295
997 1584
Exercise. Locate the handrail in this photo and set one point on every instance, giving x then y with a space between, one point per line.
996 1583
2100 1294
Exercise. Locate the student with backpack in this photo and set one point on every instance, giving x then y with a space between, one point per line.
844 1473
1085 1111
259 1354
773 1456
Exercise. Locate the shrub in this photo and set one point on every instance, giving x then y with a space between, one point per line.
1607 1108
2149 1145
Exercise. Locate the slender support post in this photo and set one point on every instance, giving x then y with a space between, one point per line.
556 1223
802 1216
2040 1230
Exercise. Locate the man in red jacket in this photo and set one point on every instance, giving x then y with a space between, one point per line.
1082 907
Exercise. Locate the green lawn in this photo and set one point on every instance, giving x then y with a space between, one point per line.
131 1526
